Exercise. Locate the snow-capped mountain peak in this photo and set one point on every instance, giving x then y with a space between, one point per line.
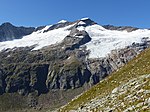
39 38
102 40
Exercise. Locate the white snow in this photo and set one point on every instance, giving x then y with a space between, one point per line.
81 23
103 41
62 21
38 38
80 36
85 18
81 28
68 57
44 29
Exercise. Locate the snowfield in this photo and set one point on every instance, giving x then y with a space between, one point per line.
102 40
39 38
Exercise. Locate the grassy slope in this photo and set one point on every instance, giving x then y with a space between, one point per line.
135 68
12 102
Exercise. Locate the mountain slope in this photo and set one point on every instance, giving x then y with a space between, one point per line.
101 38
55 63
131 96
134 70
9 32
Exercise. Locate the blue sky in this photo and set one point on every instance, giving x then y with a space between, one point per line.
42 12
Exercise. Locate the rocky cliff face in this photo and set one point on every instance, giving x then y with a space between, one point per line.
10 32
126 89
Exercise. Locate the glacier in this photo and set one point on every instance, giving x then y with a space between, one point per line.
103 41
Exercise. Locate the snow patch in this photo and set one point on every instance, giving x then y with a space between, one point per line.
84 18
62 21
81 23
68 58
79 36
81 28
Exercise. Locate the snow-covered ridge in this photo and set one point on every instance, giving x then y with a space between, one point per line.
39 38
102 40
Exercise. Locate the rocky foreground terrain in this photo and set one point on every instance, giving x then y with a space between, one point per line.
126 90
44 68
131 96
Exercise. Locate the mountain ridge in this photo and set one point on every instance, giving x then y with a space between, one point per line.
47 35
9 32
32 29
56 60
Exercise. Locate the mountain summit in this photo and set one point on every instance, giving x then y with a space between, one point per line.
10 32
105 37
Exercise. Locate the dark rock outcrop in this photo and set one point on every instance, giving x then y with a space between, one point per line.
120 28
75 39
